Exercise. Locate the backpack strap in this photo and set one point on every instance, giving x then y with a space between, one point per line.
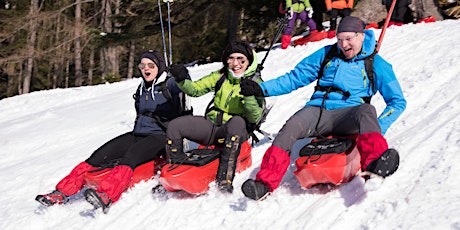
182 97
220 115
165 90
329 55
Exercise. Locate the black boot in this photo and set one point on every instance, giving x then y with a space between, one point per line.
386 164
175 151
98 200
227 163
255 190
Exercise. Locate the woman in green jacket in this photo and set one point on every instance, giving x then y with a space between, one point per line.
228 120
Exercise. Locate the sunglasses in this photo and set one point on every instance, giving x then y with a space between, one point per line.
347 39
240 60
151 65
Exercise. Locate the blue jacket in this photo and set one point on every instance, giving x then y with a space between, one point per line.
347 75
152 102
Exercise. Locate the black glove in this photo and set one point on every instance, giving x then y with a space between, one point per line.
250 88
179 72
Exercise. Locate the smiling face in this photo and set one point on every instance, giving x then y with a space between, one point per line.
149 69
350 43
238 63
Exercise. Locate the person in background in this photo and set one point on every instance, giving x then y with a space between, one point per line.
319 8
297 9
227 122
337 8
145 143
402 14
340 105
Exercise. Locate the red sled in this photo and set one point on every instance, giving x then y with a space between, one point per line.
142 172
313 37
195 179
333 160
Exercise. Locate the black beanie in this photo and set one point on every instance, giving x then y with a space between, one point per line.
351 24
157 58
238 47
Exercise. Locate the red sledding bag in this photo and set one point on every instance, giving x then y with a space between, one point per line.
194 175
333 160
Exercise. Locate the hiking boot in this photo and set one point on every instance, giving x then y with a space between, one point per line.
98 200
175 151
227 163
225 186
54 197
386 164
255 190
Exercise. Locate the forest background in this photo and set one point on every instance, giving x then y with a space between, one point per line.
48 44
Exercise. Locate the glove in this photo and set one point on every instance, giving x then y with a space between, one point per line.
290 13
250 88
309 12
179 72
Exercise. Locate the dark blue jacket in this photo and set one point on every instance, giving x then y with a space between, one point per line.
153 109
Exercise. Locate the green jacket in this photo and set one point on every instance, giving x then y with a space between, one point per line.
298 6
228 99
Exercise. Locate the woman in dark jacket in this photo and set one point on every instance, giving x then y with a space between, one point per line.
146 142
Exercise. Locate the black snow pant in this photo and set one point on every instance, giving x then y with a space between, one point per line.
319 8
132 150
401 13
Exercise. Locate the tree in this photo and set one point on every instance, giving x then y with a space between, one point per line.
33 13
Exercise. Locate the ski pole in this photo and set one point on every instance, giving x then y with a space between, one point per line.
169 30
387 20
162 32
283 21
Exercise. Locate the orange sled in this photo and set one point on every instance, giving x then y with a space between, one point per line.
195 179
333 160
142 172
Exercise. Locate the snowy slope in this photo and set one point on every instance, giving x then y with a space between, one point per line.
45 134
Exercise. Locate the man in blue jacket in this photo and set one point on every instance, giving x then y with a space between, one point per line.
340 105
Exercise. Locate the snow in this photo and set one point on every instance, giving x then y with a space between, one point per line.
45 134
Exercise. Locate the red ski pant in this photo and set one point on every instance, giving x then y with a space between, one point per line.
74 182
113 185
116 182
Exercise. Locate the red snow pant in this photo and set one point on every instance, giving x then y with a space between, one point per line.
74 182
116 182
360 119
114 185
